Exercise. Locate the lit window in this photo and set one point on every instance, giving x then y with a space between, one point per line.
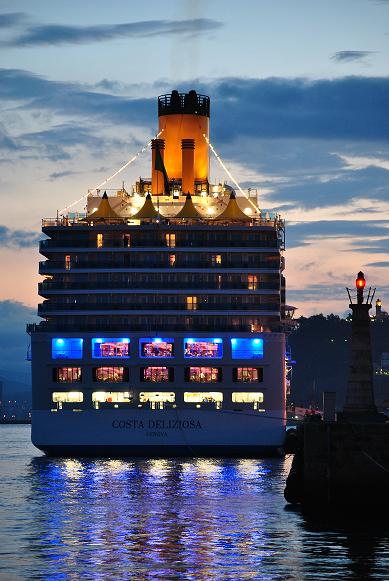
156 347
203 396
203 374
219 281
157 374
127 240
170 240
247 397
99 241
191 303
157 396
248 374
111 397
216 259
252 282
66 348
110 374
68 397
247 348
172 259
212 348
67 374
67 262
110 347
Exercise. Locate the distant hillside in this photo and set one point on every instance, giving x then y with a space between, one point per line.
320 347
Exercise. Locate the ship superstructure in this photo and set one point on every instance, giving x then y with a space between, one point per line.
163 312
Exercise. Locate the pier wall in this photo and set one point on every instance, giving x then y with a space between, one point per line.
345 463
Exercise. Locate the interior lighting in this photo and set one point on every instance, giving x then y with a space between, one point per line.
210 211
233 341
217 340
248 211
60 341
157 340
98 340
256 341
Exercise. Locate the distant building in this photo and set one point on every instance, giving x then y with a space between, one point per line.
380 315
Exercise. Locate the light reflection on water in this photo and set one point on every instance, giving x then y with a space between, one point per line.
167 519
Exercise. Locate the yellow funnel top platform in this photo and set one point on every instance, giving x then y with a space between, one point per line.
104 211
147 210
233 212
188 210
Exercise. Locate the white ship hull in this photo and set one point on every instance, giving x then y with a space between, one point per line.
155 433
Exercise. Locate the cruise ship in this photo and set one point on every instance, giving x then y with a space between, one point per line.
163 312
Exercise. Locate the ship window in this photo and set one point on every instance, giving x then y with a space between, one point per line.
99 240
252 282
170 240
157 374
191 303
68 397
216 259
248 374
172 259
110 374
127 240
110 347
156 347
203 396
67 374
157 396
203 374
67 262
243 348
247 397
212 348
111 397
66 348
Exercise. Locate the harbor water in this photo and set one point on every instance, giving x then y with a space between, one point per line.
143 519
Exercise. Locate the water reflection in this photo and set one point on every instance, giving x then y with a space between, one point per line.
162 519
170 519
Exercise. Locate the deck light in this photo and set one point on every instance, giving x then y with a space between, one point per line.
157 340
98 340
256 341
233 341
60 341
217 340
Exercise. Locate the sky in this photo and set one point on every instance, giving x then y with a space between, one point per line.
299 110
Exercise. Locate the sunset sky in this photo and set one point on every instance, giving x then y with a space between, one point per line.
300 110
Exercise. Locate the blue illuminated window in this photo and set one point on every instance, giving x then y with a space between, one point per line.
69 348
247 348
110 347
203 347
156 347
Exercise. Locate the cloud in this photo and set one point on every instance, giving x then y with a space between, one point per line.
55 34
18 238
351 55
61 174
273 108
301 234
378 264
9 19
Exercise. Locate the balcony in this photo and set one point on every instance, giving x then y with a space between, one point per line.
49 306
150 244
48 266
136 286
